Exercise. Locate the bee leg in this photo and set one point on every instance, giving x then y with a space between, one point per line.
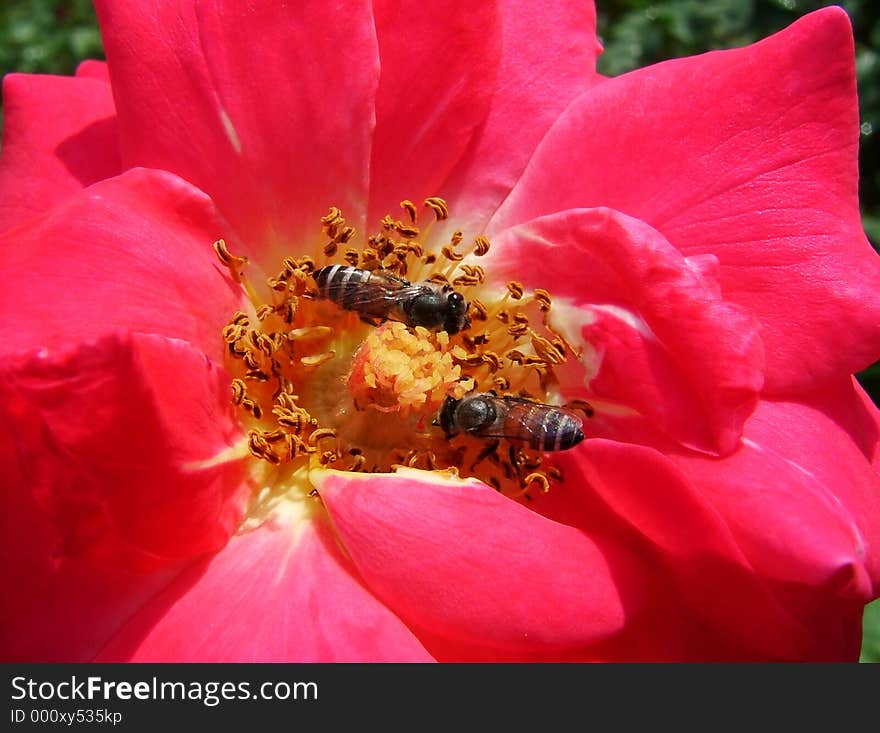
581 406
514 460
485 453
372 320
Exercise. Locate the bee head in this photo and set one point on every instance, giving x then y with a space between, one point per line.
474 413
456 313
446 418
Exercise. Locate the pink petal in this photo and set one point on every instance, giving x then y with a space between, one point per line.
107 436
56 608
112 482
280 593
132 253
93 69
703 586
869 427
439 64
59 135
536 81
801 496
656 336
460 561
268 107
749 155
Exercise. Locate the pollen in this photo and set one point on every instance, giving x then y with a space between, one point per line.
400 370
341 382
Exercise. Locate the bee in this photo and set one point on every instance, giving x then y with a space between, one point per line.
487 415
378 296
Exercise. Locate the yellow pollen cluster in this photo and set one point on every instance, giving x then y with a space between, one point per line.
396 369
317 384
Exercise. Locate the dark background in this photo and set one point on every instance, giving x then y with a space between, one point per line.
52 36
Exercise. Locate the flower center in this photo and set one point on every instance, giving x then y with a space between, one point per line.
333 368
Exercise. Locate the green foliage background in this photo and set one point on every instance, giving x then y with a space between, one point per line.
52 36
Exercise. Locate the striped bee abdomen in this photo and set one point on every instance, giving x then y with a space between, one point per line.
341 284
558 431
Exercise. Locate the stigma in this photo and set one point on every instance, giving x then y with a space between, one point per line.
400 370
345 358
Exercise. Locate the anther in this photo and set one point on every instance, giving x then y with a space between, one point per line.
231 261
328 457
250 360
288 311
493 360
306 265
548 351
317 359
259 447
264 311
294 446
451 254
233 332
537 478
554 473
357 463
515 289
481 245
321 434
479 312
333 215
406 231
410 209
581 405
438 206
542 297
309 332
239 390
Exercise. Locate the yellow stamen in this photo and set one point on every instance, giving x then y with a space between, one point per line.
317 387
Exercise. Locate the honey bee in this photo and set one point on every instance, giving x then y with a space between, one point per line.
377 296
487 415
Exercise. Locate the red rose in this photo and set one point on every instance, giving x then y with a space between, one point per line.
680 246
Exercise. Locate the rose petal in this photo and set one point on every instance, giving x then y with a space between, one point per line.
131 253
460 561
93 69
706 583
248 102
439 61
139 471
800 495
764 176
59 135
868 425
280 593
115 475
655 334
536 81
56 608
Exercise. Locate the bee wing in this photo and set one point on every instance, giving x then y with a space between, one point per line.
526 415
382 292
